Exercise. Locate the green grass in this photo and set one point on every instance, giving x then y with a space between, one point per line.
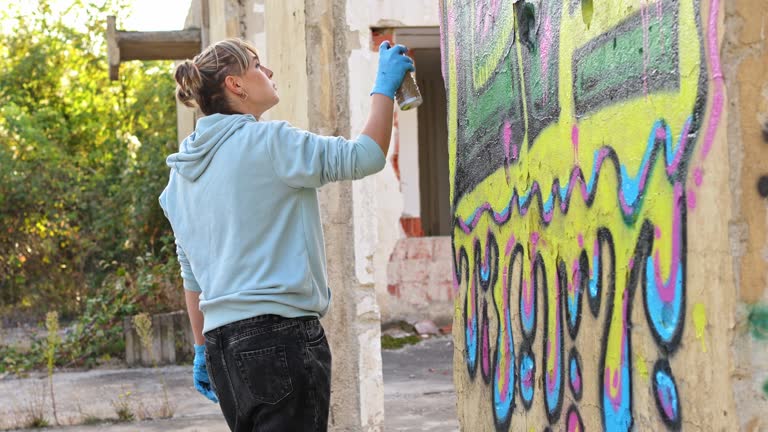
92 420
37 422
390 342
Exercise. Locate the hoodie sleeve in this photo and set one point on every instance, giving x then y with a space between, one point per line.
190 282
302 159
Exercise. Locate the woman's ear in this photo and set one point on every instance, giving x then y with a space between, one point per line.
233 84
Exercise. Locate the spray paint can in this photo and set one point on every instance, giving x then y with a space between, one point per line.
408 95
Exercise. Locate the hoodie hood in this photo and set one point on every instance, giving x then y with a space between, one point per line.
198 149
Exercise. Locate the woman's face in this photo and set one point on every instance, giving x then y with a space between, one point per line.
261 90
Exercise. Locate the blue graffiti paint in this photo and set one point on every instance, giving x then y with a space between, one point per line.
665 393
617 410
665 316
528 318
470 327
504 394
527 378
574 374
593 279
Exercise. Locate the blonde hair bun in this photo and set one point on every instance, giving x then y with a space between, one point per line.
189 81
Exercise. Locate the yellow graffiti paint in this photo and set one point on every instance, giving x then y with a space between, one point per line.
640 366
700 323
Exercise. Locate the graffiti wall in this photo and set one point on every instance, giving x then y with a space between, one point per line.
580 136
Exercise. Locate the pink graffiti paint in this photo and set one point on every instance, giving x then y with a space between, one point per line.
455 281
691 199
646 58
510 245
528 288
667 289
698 176
660 16
717 77
546 45
666 403
554 346
535 236
574 425
581 240
575 142
506 340
614 377
576 276
507 139
486 346
495 7
577 382
480 18
657 232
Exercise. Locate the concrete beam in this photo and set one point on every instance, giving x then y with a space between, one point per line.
153 45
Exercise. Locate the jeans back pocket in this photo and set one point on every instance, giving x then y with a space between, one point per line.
265 373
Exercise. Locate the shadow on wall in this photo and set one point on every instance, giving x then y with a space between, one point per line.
575 162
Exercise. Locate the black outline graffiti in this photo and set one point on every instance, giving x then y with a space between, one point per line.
604 240
464 264
574 355
485 341
503 424
662 365
543 111
581 291
573 410
634 278
529 335
553 413
491 261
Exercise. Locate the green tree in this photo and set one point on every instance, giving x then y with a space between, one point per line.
82 162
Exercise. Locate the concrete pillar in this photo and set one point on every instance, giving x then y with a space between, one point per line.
745 69
610 238
310 64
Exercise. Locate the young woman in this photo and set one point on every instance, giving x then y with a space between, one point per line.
243 205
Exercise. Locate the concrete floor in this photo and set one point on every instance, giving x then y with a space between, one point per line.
418 395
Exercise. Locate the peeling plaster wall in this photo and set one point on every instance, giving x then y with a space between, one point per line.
379 200
745 68
609 247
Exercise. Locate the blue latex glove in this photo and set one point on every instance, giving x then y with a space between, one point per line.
200 374
393 64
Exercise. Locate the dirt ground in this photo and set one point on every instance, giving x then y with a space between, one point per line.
418 396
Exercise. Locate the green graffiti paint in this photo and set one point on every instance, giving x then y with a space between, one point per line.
758 322
615 66
494 104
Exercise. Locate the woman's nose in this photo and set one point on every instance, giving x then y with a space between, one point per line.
268 71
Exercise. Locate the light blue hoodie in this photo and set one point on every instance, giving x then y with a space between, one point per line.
242 202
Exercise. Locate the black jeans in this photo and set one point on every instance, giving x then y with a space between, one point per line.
271 373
